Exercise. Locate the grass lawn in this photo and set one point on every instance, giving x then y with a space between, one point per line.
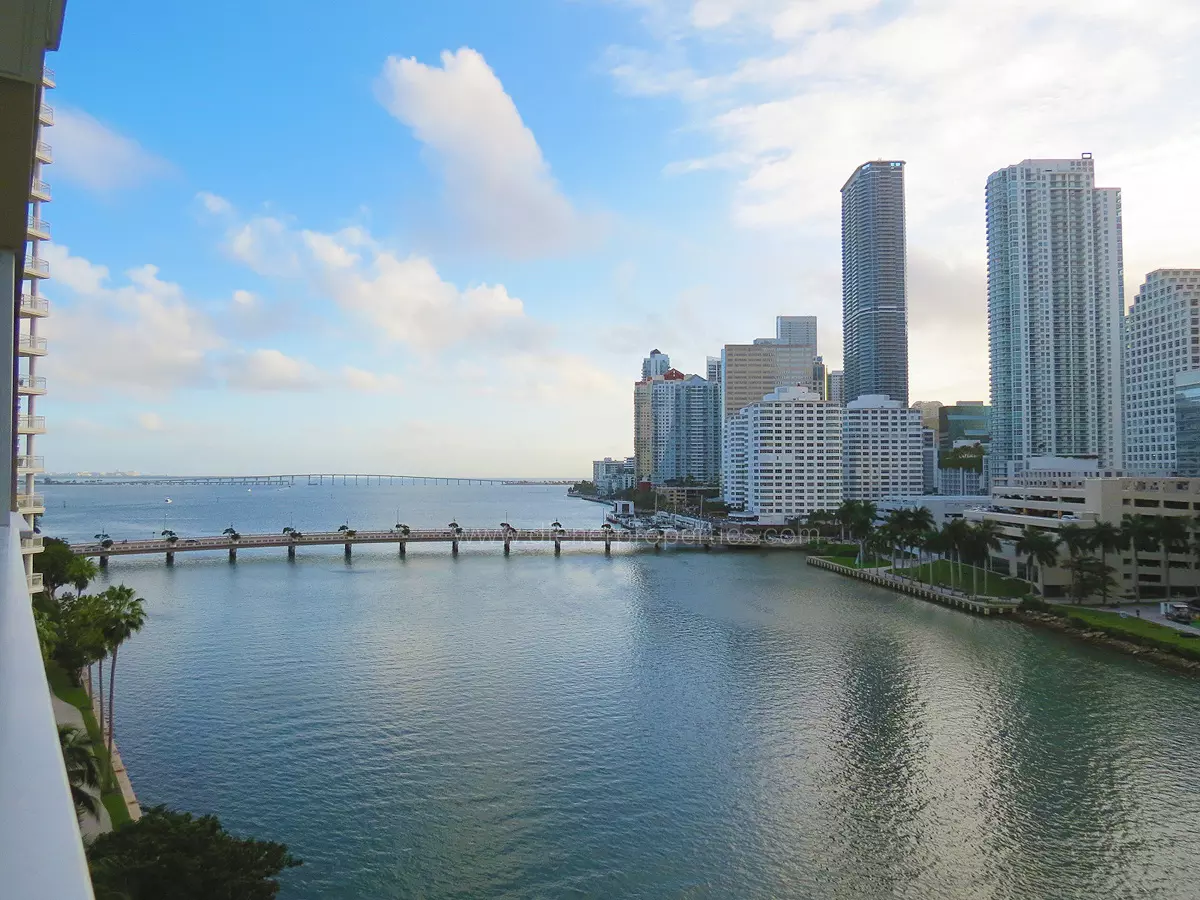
60 684
851 562
1141 631
997 585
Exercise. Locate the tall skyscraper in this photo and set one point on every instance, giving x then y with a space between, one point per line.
1159 344
687 429
796 330
654 368
712 366
820 378
751 371
874 282
1055 296
656 364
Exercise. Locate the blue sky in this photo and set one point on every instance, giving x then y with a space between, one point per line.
438 238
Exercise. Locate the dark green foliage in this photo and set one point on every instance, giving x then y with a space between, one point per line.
169 855
970 458
587 488
54 562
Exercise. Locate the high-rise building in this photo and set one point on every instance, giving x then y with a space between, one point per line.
836 389
881 449
712 369
687 429
929 412
783 456
751 371
820 378
1162 339
1055 296
796 330
874 282
655 365
1187 423
965 420
929 460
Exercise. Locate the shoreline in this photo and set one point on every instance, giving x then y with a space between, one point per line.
124 785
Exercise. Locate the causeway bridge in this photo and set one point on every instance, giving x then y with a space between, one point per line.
308 478
454 537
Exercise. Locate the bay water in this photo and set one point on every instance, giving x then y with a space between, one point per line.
676 724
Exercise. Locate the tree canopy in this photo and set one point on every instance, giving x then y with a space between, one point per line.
167 854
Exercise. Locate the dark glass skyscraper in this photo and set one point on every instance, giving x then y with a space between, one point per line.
874 282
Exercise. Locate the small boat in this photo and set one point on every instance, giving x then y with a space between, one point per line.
168 500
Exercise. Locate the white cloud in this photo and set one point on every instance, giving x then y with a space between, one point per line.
75 272
266 245
152 422
245 299
92 154
495 175
370 382
215 204
270 370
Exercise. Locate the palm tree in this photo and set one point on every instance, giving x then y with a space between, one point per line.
170 536
862 523
1077 540
1042 548
919 524
932 542
403 529
83 771
455 527
232 532
81 571
1107 538
342 529
956 533
126 616
1171 534
104 539
1138 533
988 534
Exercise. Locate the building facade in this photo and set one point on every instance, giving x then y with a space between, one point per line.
1162 339
1187 423
820 379
751 371
686 429
835 390
783 456
874 282
1055 298
796 330
611 476
655 365
881 449
929 461
965 421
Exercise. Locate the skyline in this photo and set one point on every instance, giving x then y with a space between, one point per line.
298 253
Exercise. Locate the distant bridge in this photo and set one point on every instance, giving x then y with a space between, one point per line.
655 538
311 478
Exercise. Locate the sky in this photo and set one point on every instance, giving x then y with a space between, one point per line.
438 238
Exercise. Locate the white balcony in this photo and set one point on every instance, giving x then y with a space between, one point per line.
36 268
34 305
31 504
44 152
31 424
39 190
46 114
30 345
32 544
30 465
34 385
48 77
37 229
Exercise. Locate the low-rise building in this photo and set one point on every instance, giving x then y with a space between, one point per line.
611 476
882 453
783 456
1046 493
944 509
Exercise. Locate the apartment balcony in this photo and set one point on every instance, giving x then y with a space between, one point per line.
37 229
31 385
39 190
46 114
36 268
48 77
30 345
44 152
30 465
31 504
34 305
32 545
34 583
31 424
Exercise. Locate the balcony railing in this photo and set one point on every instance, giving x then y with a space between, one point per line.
48 77
30 464
39 190
36 268
31 503
37 228
35 582
44 152
32 544
46 114
31 424
30 345
31 384
34 305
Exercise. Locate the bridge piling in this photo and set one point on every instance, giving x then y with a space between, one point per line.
454 548
170 558
402 550
506 546
103 562
348 546
291 552
233 554
557 546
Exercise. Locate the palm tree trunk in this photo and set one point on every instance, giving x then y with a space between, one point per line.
112 681
1167 571
1104 569
100 710
1137 584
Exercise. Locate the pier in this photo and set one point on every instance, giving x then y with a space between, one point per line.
606 537
985 606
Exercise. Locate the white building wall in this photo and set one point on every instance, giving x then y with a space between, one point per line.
687 431
1162 339
881 449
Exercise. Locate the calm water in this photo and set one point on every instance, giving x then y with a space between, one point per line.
672 725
